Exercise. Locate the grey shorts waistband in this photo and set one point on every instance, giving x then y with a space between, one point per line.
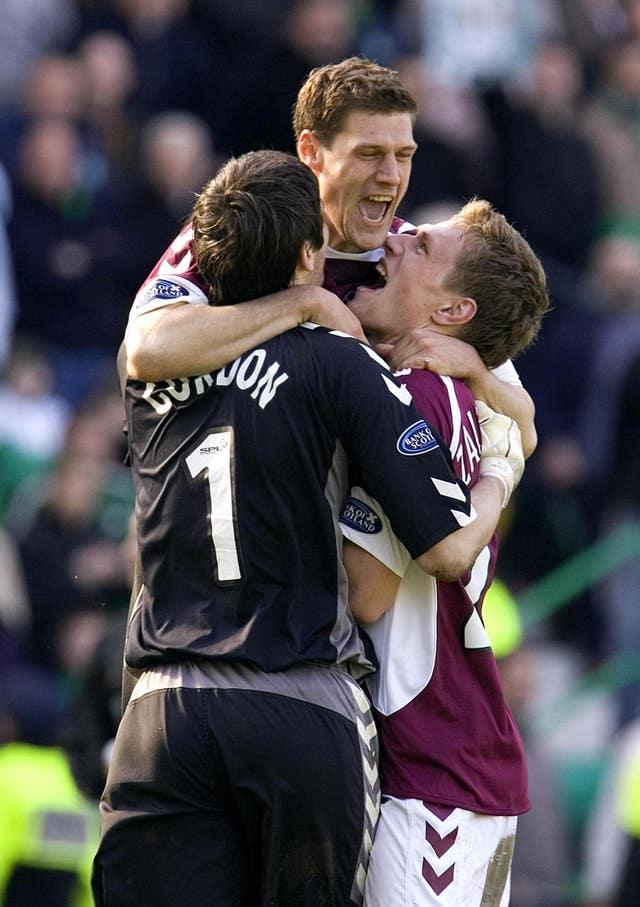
318 683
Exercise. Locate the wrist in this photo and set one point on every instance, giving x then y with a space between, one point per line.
299 305
306 302
500 469
478 379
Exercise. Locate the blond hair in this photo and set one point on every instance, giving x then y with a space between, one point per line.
497 268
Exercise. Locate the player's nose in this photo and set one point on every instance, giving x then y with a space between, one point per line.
394 244
389 171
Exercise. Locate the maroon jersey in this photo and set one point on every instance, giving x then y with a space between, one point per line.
344 272
175 276
447 734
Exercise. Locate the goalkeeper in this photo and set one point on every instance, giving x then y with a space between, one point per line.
452 766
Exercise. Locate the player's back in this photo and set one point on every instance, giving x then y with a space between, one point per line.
240 475
236 474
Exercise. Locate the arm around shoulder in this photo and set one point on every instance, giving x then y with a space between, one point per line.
186 339
448 355
511 399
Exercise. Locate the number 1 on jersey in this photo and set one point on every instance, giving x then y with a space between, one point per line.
212 460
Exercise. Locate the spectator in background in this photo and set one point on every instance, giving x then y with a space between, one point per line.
614 273
547 179
110 74
541 861
28 30
33 420
608 858
562 498
612 281
176 158
590 24
466 43
49 829
8 301
618 590
70 568
453 160
15 610
74 295
313 33
554 519
69 531
53 87
178 64
90 88
612 120
95 710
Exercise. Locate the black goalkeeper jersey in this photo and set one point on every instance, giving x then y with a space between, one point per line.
240 477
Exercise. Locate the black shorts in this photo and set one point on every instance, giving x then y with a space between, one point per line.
229 787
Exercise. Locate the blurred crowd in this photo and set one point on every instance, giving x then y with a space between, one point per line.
113 113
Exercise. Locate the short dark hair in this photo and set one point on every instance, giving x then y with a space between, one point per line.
330 93
250 223
498 268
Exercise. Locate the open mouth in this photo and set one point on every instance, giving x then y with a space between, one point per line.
379 283
365 291
381 268
374 208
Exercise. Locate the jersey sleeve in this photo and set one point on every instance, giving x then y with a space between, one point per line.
397 456
174 279
508 373
364 523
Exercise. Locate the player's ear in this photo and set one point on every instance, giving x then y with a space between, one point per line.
455 310
310 150
307 257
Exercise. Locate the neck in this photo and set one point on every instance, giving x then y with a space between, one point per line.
381 336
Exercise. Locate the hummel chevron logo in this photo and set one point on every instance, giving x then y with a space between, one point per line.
448 489
440 845
367 732
437 882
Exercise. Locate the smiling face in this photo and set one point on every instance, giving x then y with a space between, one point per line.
363 176
417 270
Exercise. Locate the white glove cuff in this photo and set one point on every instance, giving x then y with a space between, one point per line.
500 468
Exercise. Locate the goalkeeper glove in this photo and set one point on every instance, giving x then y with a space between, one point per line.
502 455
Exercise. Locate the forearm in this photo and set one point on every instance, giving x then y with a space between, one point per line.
372 586
186 339
510 399
453 555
